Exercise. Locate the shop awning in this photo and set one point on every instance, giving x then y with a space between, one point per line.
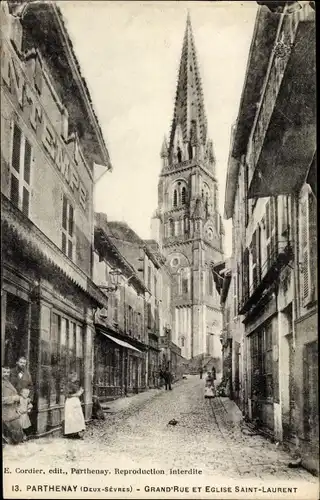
121 342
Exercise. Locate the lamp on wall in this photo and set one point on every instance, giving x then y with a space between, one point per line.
114 278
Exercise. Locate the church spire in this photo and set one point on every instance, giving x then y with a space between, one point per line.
189 126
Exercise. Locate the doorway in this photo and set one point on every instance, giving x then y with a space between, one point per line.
16 330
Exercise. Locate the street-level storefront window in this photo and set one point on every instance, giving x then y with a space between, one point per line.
108 368
61 349
262 363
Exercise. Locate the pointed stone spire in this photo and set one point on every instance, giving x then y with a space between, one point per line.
164 148
189 119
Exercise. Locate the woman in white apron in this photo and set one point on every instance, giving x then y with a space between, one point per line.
74 424
209 390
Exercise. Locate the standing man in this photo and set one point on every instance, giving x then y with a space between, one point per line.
167 378
20 376
201 371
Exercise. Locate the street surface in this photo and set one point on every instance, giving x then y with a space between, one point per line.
207 437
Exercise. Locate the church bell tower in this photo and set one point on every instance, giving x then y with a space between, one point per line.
187 223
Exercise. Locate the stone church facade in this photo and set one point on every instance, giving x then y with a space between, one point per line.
187 223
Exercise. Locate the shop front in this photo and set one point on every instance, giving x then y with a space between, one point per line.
47 318
118 364
306 362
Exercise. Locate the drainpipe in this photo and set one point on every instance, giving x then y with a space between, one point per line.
295 243
295 298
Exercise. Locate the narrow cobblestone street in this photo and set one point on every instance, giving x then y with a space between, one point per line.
136 434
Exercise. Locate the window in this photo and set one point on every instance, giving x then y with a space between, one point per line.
61 353
210 283
72 346
271 231
262 362
116 310
67 228
21 157
245 275
308 245
130 319
149 318
235 296
256 258
179 155
175 198
185 285
186 224
238 287
139 325
246 189
183 195
54 361
149 277
182 341
171 227
79 354
285 220
155 286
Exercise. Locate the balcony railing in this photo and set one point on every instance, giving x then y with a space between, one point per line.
270 270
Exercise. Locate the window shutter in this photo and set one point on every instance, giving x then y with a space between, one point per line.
246 274
313 243
259 253
305 251
64 212
14 190
267 220
16 145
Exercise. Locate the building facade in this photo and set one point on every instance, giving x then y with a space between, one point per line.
187 223
147 264
271 196
51 141
120 343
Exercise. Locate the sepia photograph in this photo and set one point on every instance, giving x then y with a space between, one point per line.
159 294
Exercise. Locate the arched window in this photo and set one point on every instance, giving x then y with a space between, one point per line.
183 195
190 152
202 193
186 224
179 155
182 341
175 198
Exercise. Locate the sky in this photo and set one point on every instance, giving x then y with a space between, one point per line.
129 53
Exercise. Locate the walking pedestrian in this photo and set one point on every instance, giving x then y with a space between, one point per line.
74 424
167 379
209 391
214 376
